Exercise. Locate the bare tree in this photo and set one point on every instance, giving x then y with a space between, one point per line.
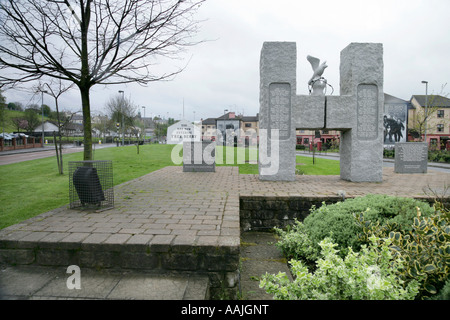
2 112
19 123
90 42
121 110
56 89
422 116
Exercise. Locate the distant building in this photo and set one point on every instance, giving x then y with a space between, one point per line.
73 129
49 128
182 131
231 128
209 129
77 118
228 128
438 121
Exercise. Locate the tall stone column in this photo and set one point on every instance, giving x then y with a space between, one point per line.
361 80
277 93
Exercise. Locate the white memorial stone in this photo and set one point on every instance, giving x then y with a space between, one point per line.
182 131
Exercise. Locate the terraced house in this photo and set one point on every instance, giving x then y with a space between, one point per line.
429 116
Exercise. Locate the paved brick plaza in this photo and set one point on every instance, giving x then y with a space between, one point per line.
170 208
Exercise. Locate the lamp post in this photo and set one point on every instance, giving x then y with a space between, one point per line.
121 111
426 108
144 123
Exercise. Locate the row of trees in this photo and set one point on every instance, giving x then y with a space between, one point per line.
121 116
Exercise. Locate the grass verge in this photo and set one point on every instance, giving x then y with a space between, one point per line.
32 187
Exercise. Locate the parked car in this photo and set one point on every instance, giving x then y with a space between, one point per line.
6 136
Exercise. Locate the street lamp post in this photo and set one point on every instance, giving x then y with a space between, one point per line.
426 108
143 134
121 111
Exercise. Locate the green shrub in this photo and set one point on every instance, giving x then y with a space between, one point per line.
296 244
337 221
424 250
389 153
359 276
439 156
444 293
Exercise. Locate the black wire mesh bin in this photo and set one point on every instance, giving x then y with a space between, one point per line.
91 184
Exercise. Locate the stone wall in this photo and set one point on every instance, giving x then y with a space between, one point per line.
264 213
259 213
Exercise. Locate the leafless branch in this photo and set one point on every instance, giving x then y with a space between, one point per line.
89 42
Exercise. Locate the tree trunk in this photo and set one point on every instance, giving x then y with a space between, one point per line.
87 126
57 154
85 83
60 154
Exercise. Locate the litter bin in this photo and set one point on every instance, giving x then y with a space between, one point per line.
87 185
91 184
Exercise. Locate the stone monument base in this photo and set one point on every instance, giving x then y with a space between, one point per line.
199 156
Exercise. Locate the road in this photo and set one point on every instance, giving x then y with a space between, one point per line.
8 157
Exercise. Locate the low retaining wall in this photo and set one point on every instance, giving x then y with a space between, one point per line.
21 143
264 213
259 213
219 263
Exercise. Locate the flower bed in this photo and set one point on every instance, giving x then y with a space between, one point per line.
372 247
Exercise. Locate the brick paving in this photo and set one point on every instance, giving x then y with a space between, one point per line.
175 220
171 207
163 207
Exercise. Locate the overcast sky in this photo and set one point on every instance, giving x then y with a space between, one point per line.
224 73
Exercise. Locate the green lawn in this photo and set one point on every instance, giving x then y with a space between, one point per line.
320 167
33 187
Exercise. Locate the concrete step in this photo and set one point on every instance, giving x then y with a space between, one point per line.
53 283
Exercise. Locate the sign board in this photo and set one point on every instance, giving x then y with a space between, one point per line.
395 119
411 157
199 156
183 131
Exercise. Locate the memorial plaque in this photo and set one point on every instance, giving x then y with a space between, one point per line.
280 109
199 156
183 131
411 157
367 112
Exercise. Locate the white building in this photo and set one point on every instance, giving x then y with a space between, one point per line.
182 131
